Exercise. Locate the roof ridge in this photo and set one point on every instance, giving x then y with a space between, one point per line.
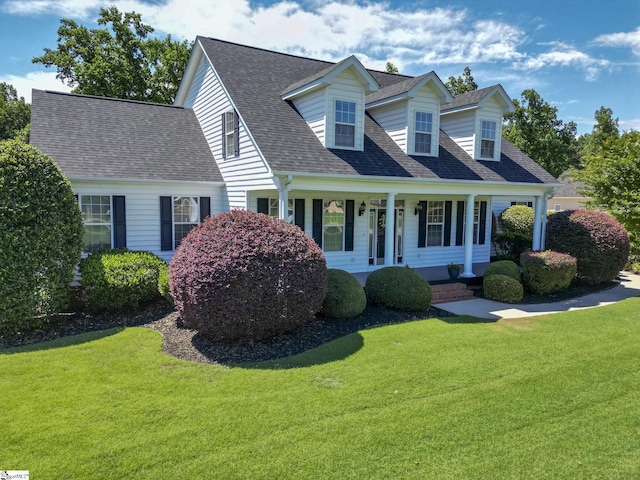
112 99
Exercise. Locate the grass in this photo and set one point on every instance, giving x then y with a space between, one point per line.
547 397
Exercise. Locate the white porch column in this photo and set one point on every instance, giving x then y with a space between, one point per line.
283 198
545 208
467 271
538 217
389 230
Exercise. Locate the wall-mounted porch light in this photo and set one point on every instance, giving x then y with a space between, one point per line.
362 209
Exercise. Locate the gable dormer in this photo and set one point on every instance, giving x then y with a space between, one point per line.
474 121
332 103
409 111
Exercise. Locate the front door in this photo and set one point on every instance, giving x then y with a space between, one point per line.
377 231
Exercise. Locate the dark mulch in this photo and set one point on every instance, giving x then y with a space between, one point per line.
189 345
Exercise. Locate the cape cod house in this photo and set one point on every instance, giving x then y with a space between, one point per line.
379 168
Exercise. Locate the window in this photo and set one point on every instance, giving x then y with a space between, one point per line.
274 209
345 127
333 217
488 139
423 129
230 134
526 204
435 223
96 214
476 222
185 216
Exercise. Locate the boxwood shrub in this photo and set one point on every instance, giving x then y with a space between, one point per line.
502 288
40 237
548 271
517 219
509 245
503 267
345 295
599 243
116 279
244 275
401 288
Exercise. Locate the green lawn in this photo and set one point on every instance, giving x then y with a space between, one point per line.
546 397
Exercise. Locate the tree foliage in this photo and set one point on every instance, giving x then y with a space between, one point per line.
605 128
536 130
40 237
15 113
462 84
391 68
120 61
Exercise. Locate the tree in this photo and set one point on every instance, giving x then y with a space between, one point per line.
40 237
123 62
536 130
391 68
462 84
15 113
612 179
606 128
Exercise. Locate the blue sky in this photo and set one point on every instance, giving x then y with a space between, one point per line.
578 55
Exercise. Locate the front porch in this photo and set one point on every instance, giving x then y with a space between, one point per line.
433 274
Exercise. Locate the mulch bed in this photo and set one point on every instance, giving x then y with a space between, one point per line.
187 344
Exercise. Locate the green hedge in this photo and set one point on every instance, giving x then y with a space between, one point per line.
345 296
502 288
518 219
503 267
117 279
398 287
547 272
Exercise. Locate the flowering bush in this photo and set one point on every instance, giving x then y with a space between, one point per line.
247 275
547 272
599 243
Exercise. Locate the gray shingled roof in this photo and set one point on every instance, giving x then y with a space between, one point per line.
394 89
96 137
468 99
255 79
568 187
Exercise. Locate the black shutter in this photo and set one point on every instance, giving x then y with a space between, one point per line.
317 221
447 223
119 221
224 136
263 206
236 134
483 223
349 227
460 223
422 225
298 211
205 207
166 230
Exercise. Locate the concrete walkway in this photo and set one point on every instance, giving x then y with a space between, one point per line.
481 308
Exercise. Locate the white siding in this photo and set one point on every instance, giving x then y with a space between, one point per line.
209 101
491 111
429 104
142 206
461 128
313 108
500 203
394 120
345 86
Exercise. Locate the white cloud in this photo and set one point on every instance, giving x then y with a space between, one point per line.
37 80
621 39
564 55
629 124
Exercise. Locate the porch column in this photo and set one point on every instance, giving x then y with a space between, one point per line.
538 218
467 271
545 208
283 198
389 230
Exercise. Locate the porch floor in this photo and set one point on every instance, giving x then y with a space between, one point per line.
434 274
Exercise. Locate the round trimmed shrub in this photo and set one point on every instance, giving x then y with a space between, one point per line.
548 271
518 219
116 279
502 288
599 243
345 296
503 267
40 237
246 275
401 288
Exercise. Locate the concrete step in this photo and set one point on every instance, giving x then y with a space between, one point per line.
451 292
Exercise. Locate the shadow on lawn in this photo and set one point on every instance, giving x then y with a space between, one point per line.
63 341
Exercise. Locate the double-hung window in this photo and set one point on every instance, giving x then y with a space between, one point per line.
476 223
274 209
435 223
230 134
96 214
488 139
333 221
423 132
345 124
186 215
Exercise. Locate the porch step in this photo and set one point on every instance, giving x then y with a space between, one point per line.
451 292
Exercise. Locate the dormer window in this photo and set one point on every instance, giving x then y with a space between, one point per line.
423 131
345 124
488 139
